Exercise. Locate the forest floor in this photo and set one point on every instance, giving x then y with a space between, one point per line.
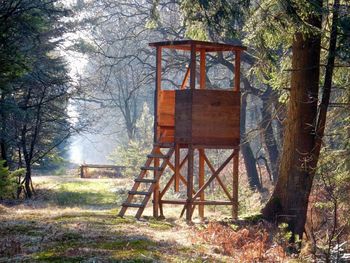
75 220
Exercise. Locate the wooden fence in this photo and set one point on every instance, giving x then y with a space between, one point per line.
101 170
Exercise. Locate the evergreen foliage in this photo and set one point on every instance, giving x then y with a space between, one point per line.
35 86
132 154
5 181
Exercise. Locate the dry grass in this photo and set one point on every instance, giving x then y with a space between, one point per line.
243 243
74 220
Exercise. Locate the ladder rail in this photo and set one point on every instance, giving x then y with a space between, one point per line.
152 186
138 181
136 184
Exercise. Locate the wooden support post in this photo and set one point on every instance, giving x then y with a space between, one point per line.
202 80
161 209
157 92
237 70
82 171
235 185
156 131
189 183
236 156
156 188
193 67
201 182
177 168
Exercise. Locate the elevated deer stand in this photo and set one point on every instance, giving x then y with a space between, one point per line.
191 119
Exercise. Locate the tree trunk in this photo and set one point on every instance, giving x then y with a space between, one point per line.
28 180
3 146
327 87
248 156
289 200
270 143
3 152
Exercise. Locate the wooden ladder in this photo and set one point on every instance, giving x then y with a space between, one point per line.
141 180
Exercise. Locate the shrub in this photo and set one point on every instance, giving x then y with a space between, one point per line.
7 182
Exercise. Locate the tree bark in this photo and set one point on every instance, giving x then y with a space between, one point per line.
289 200
28 180
3 146
327 87
3 152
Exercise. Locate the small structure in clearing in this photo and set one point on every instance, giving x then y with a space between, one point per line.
191 120
101 170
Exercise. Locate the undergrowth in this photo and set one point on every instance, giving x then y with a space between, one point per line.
247 243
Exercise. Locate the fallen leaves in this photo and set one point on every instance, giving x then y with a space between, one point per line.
250 243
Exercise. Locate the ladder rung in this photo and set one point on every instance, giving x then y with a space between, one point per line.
145 180
157 156
138 193
151 168
132 205
146 195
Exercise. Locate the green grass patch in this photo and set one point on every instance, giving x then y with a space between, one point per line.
136 256
159 224
252 218
21 229
135 244
86 193
94 218
51 256
67 236
135 250
124 220
90 230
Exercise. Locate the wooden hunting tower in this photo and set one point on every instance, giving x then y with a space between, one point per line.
191 120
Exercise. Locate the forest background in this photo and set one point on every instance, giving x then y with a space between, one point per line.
295 93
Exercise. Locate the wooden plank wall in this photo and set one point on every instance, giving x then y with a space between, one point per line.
207 117
166 115
183 112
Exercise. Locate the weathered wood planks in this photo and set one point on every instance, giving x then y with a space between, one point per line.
207 117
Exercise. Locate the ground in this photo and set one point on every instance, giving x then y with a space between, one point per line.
75 220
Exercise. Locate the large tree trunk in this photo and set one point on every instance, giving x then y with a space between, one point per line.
248 156
289 200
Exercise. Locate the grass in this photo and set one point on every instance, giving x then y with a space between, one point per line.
84 193
74 220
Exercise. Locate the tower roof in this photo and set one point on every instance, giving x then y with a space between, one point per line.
200 45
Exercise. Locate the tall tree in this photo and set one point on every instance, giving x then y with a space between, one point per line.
306 120
34 81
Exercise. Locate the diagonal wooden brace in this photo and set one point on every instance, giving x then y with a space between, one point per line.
214 175
217 178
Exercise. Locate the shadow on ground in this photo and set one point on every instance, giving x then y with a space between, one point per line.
74 220
88 237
